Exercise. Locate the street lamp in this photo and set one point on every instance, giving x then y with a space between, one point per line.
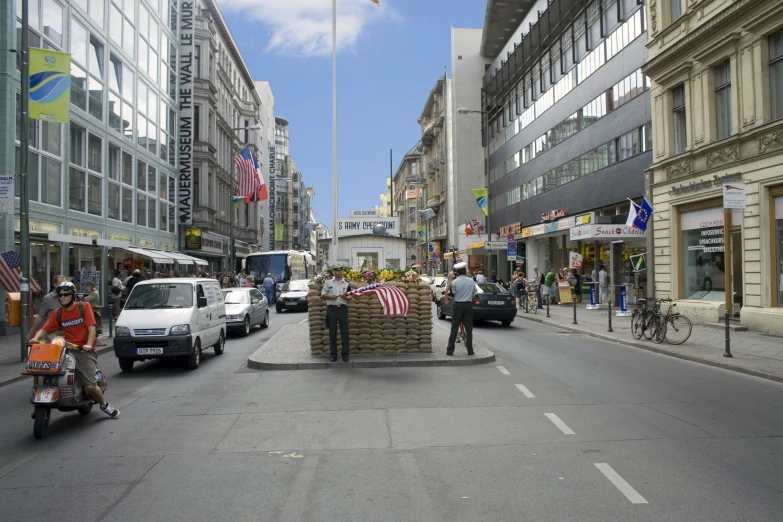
463 110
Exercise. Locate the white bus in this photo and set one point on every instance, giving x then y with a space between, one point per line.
284 265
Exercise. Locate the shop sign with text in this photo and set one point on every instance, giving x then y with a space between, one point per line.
514 228
373 212
357 226
716 181
84 232
605 231
553 215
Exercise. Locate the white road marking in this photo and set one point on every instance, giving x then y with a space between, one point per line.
503 370
620 483
447 328
293 455
144 389
527 393
559 423
18 463
304 321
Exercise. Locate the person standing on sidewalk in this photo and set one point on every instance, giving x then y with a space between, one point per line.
49 303
335 292
94 298
536 280
463 289
602 284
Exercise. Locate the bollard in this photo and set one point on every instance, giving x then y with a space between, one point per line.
610 316
547 305
728 337
623 302
575 308
592 305
111 321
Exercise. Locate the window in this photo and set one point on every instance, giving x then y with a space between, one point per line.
675 7
778 210
703 265
196 122
776 77
52 20
678 106
197 61
96 11
412 214
95 153
723 99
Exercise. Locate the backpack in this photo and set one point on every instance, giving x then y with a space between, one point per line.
541 282
520 284
60 312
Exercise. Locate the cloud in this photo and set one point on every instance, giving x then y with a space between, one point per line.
304 27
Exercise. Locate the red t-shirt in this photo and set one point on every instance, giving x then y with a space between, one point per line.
73 326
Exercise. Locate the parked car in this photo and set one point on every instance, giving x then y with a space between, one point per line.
437 287
246 308
493 302
170 318
293 296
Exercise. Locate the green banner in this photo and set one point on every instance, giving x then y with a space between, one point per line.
423 233
278 232
50 85
481 196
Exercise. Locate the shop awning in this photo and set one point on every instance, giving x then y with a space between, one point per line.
184 259
110 243
159 256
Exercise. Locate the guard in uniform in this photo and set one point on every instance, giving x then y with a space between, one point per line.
463 289
334 292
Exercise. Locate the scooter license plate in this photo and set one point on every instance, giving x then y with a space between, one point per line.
149 351
47 394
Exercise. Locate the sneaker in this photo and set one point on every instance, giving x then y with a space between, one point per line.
110 410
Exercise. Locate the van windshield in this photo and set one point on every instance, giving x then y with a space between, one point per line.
160 295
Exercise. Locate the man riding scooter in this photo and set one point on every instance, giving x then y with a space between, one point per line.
78 325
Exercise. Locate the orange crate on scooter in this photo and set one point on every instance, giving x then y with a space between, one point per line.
46 358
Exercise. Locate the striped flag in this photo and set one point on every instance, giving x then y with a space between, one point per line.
376 2
393 300
251 183
11 274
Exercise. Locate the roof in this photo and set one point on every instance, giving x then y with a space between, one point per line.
409 156
345 238
500 20
431 98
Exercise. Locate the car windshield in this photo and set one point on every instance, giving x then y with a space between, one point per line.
236 297
490 288
160 295
295 286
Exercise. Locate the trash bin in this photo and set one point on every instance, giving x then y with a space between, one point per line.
13 309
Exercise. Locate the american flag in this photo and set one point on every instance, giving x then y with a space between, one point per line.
376 2
393 300
10 273
251 183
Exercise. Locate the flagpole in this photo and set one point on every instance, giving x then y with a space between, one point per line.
24 198
230 211
333 250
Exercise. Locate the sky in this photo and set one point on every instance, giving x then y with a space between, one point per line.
388 61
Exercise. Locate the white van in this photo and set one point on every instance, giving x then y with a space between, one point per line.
170 318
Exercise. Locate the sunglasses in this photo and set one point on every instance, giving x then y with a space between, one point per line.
65 294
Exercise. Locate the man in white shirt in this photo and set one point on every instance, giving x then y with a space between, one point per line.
602 284
335 292
480 278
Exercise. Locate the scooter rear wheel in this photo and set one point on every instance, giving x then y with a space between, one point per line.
41 422
86 409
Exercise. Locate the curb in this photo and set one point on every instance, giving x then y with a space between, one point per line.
13 380
369 361
652 348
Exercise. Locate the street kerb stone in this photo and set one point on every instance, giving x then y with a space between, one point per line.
289 349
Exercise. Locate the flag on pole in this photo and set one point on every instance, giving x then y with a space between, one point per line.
639 215
481 196
11 274
376 2
251 182
393 300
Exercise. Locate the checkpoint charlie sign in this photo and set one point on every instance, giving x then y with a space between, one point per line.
363 225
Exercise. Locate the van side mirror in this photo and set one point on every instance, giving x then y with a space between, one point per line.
202 302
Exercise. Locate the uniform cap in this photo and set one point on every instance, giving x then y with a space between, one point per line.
458 266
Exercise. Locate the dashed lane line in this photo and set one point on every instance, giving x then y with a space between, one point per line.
560 424
144 389
503 370
620 483
527 393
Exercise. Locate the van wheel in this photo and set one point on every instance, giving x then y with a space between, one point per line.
221 344
265 324
195 358
246 326
126 365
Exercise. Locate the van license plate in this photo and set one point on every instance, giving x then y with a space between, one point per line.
496 302
149 351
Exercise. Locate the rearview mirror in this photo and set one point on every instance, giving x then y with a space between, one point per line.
202 302
254 301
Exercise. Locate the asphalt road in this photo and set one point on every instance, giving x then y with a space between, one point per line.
561 427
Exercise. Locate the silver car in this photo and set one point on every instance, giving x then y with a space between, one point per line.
245 309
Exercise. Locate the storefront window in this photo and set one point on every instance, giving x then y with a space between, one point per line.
779 247
368 260
702 253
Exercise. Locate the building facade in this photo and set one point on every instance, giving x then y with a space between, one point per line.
225 105
385 209
568 132
408 196
717 90
266 230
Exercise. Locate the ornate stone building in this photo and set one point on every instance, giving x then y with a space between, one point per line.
716 68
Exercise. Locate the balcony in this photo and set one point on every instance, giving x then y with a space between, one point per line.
433 201
245 234
439 232
204 217
247 108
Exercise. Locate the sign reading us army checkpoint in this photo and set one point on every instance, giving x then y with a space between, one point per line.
356 226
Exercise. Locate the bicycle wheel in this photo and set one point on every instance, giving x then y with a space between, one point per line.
658 329
533 303
647 327
678 329
637 324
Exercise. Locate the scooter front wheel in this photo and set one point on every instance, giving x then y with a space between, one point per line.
41 422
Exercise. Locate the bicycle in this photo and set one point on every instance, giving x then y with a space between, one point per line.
529 301
648 322
676 327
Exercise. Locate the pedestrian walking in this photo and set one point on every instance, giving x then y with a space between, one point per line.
462 291
335 292
269 288
536 280
94 298
602 284
117 288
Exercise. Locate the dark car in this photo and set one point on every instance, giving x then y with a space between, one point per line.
493 302
293 296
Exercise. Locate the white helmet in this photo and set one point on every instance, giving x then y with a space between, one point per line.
66 287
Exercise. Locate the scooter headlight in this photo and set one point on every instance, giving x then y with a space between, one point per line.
70 362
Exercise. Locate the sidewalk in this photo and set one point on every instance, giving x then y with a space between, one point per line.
10 359
754 353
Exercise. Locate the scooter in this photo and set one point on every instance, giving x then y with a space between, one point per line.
54 383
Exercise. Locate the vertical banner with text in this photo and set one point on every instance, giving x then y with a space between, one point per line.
50 85
185 99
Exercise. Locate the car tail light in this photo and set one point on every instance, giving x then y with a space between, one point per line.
513 302
477 302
